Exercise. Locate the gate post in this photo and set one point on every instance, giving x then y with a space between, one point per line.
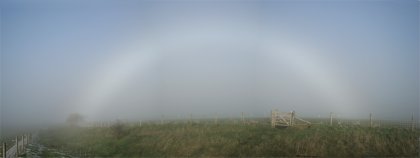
17 146
4 150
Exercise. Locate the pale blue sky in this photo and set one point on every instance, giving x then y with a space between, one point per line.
137 60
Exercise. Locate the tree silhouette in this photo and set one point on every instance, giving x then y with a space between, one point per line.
74 119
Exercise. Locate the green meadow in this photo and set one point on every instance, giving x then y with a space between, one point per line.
230 140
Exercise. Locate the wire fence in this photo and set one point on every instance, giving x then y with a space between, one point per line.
245 118
15 147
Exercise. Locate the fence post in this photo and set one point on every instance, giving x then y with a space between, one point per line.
290 121
292 118
161 120
370 119
191 118
331 118
23 144
25 139
242 118
272 123
273 118
215 119
419 146
294 115
412 121
17 146
4 150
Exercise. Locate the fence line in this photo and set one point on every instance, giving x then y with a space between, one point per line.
19 147
369 121
244 118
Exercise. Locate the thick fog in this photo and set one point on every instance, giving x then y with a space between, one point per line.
142 60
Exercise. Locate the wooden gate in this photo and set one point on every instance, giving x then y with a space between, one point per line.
286 119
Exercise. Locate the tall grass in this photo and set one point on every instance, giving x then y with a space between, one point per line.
234 140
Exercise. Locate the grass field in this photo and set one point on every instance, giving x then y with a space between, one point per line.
232 140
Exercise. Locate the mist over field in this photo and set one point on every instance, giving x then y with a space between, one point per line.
140 60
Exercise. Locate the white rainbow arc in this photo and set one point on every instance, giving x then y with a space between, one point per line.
115 74
318 74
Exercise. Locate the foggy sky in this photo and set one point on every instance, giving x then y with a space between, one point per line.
139 60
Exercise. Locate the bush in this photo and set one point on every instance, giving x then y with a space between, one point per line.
118 130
